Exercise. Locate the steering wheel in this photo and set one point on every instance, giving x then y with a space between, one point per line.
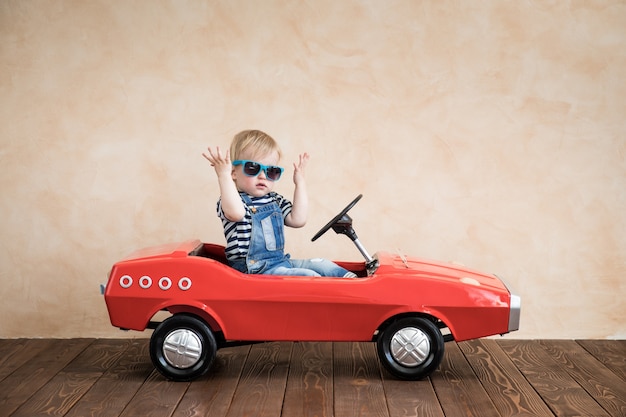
336 219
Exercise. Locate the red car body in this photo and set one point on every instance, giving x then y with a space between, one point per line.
401 303
192 277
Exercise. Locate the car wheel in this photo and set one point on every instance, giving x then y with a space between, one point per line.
182 347
411 348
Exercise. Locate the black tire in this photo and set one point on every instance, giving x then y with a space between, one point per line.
411 348
182 347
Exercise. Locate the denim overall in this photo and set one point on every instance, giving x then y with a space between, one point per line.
267 243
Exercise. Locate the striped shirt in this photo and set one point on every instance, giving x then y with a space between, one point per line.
238 233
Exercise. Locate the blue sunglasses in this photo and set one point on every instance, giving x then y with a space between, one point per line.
252 169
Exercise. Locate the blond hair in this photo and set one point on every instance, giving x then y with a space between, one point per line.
255 143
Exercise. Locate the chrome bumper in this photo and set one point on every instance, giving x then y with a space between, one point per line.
515 312
515 308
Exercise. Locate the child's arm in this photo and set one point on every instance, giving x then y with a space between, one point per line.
300 203
232 206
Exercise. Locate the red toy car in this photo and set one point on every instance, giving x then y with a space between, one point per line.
409 307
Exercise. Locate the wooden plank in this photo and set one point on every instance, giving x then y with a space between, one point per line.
71 383
458 388
499 375
262 384
411 398
559 390
157 397
21 384
612 353
606 388
309 389
509 390
6 345
213 394
358 381
16 352
114 390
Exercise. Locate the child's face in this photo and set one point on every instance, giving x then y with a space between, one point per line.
255 186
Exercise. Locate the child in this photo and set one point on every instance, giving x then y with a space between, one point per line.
253 215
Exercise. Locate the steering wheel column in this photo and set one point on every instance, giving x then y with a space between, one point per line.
342 224
344 227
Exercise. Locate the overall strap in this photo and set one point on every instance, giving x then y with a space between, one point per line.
246 199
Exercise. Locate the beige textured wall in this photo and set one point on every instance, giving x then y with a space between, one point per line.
490 133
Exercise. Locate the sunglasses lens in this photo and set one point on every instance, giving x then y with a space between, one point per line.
251 168
273 173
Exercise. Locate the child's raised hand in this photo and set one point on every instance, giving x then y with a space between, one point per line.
299 167
221 163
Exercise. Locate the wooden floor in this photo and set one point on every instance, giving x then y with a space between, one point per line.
103 377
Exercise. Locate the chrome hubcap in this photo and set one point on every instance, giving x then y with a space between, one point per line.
182 348
410 346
